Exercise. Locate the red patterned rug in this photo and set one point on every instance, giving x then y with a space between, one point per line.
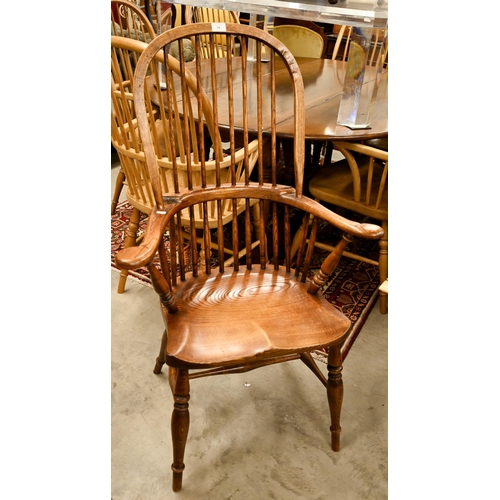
352 288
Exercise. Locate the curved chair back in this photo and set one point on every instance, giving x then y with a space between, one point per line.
208 15
301 41
181 154
129 20
178 162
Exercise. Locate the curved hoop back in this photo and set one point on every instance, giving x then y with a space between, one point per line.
251 84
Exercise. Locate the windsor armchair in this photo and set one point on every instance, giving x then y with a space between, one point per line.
250 314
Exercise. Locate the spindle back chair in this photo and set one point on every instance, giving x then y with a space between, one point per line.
178 163
129 20
219 43
262 309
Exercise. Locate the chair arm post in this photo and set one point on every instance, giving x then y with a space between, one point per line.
162 289
329 264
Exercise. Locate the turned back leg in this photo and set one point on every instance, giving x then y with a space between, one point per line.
160 360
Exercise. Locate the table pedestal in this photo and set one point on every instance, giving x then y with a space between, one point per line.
367 56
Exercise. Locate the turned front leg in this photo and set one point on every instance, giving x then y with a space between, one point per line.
180 426
335 392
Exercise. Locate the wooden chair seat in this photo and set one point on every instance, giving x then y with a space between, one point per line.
216 322
379 143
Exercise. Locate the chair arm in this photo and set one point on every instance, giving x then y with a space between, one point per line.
135 257
361 230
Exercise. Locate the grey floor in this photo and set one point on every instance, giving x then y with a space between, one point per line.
260 435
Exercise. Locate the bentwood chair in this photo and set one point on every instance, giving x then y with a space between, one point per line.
249 315
180 164
359 183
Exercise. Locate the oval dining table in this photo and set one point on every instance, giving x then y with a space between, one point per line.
323 86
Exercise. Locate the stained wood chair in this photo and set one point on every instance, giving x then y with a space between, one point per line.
180 164
359 183
249 315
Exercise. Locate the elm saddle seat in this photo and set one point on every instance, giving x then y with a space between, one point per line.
262 309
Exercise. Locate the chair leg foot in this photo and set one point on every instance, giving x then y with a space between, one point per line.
335 392
158 366
160 360
123 281
180 426
383 303
177 480
336 440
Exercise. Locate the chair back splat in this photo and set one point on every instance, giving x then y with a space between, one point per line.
261 308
